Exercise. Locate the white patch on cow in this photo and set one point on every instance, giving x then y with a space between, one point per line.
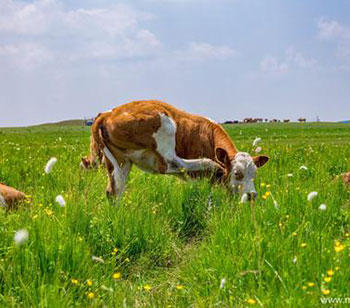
243 164
166 143
2 201
145 160
165 137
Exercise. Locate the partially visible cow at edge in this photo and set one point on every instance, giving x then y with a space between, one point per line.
159 138
9 197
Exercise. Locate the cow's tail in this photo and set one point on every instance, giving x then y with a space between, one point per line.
101 136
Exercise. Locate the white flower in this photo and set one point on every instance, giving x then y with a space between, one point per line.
97 259
322 207
256 141
21 236
50 164
312 195
60 200
244 198
295 260
303 168
275 204
258 150
290 175
222 283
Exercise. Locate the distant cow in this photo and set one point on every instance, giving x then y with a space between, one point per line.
302 120
159 138
9 196
286 120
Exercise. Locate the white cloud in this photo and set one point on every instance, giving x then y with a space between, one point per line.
199 51
333 31
44 30
292 60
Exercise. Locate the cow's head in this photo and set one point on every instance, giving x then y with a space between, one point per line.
241 171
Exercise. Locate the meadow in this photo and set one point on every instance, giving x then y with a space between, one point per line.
171 243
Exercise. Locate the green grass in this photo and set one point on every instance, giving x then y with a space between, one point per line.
178 238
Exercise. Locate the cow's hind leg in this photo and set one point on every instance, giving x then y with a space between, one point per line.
118 172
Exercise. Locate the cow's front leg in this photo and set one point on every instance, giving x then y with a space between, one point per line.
180 165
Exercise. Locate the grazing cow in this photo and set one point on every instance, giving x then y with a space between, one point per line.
302 120
159 138
9 196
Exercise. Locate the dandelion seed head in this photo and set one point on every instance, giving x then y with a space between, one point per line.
256 141
60 200
258 150
222 283
21 236
322 207
97 259
50 165
312 195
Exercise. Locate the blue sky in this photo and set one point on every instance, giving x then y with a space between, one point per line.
226 59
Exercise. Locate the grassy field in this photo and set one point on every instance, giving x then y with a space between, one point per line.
177 244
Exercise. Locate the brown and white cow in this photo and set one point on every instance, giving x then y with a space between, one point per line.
9 196
160 138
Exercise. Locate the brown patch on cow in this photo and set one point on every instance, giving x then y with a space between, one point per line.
11 196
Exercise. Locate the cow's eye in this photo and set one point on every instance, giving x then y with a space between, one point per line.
238 175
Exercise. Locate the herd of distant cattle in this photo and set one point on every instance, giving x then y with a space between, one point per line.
261 120
161 139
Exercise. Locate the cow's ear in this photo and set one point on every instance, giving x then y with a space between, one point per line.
222 157
261 160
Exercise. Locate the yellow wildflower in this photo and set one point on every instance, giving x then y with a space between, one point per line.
338 247
147 287
311 284
304 287
337 268
75 281
48 212
327 279
117 275
251 301
90 295
89 283
303 245
179 287
330 272
294 234
325 291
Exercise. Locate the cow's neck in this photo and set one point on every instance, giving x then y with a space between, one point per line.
222 140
